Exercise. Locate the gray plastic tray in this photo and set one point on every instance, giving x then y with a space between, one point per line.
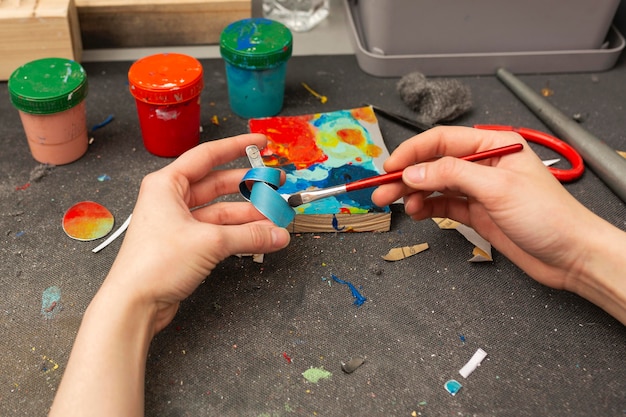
525 62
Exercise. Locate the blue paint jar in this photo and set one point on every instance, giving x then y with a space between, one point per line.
256 52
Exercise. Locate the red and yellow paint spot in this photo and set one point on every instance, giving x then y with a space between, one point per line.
87 221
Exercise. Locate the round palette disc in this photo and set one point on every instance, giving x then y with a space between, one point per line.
87 221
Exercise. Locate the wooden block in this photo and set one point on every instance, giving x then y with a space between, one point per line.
33 29
145 23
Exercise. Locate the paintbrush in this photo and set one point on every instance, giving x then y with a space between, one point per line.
308 196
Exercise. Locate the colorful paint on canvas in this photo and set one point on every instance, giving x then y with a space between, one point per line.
325 149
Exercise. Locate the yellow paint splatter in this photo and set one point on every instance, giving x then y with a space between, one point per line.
323 99
47 369
215 120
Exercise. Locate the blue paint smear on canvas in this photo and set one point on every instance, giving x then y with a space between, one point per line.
50 302
335 176
358 298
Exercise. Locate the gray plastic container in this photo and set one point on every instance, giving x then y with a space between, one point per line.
392 27
396 28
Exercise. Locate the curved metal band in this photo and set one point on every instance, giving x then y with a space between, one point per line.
259 186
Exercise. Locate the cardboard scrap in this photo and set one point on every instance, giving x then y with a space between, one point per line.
482 249
396 254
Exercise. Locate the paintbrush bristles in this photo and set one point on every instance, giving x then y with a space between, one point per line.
295 200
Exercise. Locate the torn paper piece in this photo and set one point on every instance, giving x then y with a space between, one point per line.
473 363
550 162
478 241
622 153
482 250
256 257
480 255
397 254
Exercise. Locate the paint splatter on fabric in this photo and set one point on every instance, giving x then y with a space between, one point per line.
358 298
323 150
453 386
314 375
105 122
50 302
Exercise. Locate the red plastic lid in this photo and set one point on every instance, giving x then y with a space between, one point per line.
167 78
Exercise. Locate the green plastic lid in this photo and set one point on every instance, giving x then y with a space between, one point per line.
256 43
48 85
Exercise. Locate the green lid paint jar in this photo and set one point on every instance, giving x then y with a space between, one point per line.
49 95
256 52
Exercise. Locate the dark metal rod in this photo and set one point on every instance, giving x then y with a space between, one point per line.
607 164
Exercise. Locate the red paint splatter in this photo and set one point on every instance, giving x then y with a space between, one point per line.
22 187
290 140
287 358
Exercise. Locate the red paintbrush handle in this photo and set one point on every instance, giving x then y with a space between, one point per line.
397 175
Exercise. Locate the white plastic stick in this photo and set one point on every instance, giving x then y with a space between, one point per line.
473 363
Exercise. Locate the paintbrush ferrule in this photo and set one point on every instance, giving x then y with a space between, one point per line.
313 195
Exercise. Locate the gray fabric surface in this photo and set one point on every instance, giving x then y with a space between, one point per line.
550 352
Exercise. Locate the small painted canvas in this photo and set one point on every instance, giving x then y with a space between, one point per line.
326 149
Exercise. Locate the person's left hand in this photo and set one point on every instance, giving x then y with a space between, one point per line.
170 249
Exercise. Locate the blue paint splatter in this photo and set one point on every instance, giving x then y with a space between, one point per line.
50 302
336 224
105 122
462 338
104 177
453 386
358 298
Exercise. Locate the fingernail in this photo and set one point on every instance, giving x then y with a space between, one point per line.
415 173
280 237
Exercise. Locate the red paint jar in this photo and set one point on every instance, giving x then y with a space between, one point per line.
167 88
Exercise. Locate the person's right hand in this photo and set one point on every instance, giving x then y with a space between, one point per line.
512 201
